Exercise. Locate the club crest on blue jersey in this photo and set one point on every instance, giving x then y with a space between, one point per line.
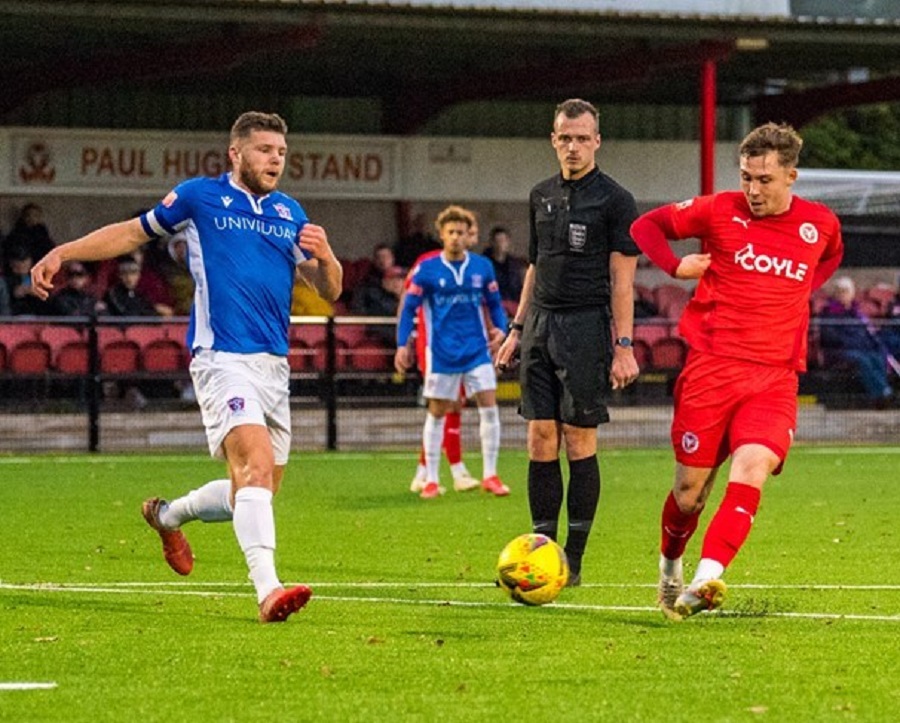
283 211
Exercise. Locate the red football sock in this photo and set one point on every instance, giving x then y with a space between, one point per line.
677 528
452 444
731 524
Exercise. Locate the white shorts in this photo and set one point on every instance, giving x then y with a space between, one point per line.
446 386
236 389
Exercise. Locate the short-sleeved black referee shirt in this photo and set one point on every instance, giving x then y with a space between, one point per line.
575 225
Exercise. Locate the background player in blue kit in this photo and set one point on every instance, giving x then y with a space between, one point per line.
452 288
245 239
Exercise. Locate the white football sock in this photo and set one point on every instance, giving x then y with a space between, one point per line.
420 471
489 429
708 569
459 470
210 503
670 568
254 527
432 438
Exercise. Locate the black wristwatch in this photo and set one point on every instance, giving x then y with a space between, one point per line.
624 341
516 326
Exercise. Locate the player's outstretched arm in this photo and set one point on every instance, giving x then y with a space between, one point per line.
115 239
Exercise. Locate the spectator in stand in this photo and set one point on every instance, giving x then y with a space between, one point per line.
22 301
75 298
379 293
510 269
30 232
890 331
852 339
152 284
417 242
123 298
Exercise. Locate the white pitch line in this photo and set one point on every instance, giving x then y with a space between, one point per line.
27 686
440 585
443 602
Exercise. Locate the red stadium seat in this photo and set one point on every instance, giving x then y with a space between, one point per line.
307 334
144 334
68 348
299 356
119 356
4 357
669 353
56 336
320 351
671 299
12 334
642 353
176 330
72 357
164 355
351 334
107 334
31 356
650 333
372 354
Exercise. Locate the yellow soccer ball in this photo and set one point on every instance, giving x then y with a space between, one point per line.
532 569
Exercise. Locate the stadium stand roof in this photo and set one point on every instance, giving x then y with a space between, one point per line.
784 59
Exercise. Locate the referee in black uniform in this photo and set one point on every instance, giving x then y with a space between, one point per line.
581 272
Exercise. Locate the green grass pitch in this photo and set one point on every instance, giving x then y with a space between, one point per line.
405 623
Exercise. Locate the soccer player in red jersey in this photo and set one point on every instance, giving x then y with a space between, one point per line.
763 252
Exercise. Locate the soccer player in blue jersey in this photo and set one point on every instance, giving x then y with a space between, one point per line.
452 289
245 239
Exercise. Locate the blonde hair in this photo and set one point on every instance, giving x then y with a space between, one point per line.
453 214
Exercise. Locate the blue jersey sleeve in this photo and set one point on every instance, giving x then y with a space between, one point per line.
494 301
412 300
173 211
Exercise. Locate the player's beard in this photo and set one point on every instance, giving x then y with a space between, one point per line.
252 181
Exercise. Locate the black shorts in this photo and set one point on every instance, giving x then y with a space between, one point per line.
564 372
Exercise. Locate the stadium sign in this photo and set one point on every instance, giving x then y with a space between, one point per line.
58 161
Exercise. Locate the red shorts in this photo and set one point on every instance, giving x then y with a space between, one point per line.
722 404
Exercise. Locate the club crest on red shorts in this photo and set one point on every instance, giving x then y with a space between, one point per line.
689 442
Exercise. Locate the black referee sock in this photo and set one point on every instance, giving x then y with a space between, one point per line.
581 504
545 496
